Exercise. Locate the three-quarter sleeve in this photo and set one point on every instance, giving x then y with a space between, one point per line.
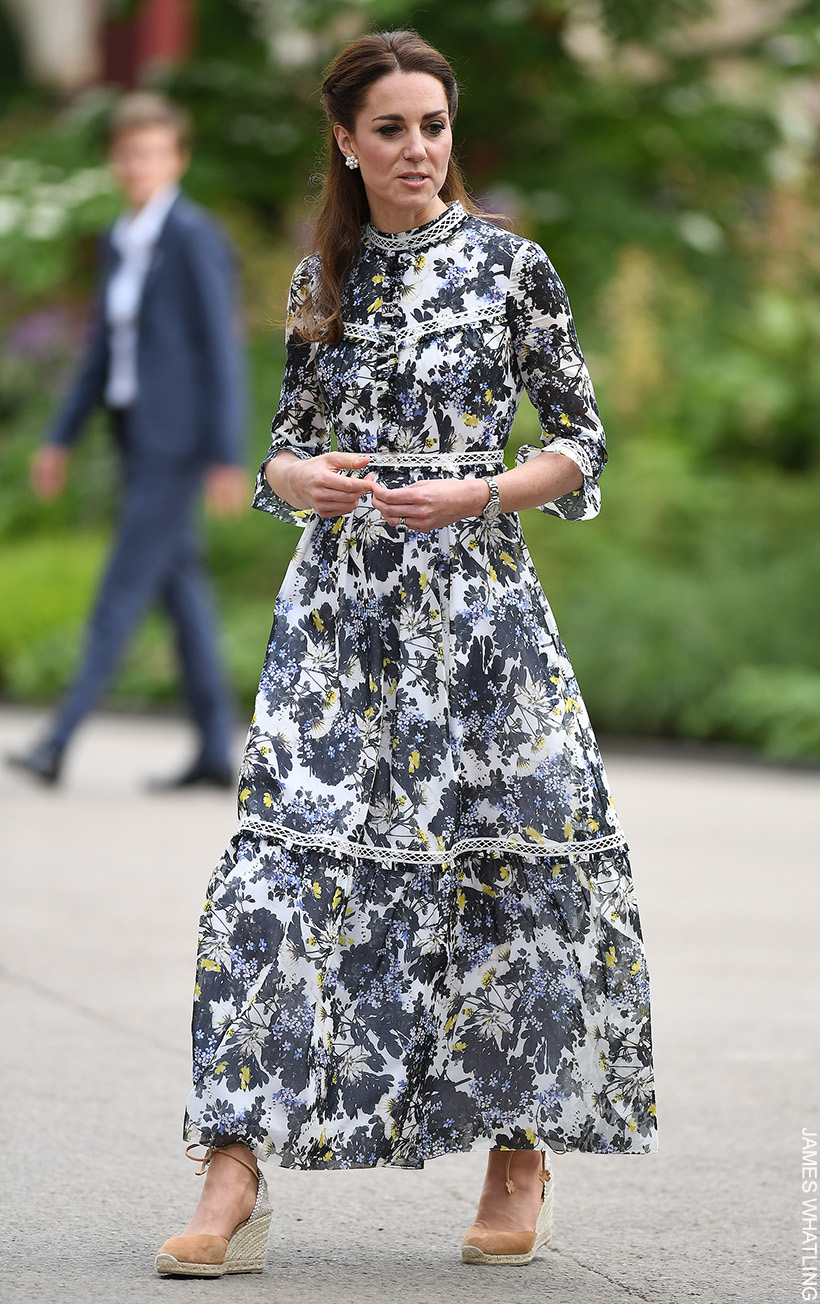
299 424
556 379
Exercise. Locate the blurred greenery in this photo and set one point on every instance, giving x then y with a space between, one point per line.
671 174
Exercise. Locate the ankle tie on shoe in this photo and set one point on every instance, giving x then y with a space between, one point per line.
205 1159
543 1176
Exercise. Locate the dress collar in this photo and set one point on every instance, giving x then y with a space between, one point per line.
418 237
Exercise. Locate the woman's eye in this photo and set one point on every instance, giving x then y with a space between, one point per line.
436 128
388 131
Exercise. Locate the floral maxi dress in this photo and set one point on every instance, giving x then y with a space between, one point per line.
423 937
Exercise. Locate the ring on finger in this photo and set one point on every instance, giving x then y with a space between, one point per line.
403 522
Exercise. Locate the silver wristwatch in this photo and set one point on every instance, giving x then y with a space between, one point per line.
493 508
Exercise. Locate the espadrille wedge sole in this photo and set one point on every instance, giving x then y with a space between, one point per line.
244 1252
214 1256
499 1248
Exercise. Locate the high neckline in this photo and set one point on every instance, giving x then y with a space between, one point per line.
418 237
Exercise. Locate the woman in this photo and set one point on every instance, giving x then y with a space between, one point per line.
423 937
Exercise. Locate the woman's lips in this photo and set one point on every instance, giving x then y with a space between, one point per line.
414 178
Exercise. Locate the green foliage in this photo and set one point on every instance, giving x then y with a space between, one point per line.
771 707
673 189
55 196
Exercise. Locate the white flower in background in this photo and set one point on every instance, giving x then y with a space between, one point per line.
11 210
701 232
87 184
45 220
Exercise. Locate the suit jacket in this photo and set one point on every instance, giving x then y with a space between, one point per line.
189 410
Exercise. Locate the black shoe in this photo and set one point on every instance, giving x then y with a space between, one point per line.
43 762
199 775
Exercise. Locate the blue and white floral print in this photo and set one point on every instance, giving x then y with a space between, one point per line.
424 938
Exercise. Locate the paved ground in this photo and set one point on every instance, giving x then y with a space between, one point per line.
102 887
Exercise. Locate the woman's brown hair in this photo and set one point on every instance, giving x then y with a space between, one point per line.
343 207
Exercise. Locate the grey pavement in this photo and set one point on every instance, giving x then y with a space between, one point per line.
102 886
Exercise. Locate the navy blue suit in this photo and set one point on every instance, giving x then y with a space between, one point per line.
188 415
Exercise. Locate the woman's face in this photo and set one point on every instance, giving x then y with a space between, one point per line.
403 141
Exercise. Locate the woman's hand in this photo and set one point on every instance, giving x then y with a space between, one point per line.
431 504
315 482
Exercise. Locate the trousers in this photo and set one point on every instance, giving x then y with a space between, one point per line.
156 556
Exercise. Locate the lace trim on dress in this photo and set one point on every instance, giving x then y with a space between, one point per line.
419 237
336 845
437 459
443 321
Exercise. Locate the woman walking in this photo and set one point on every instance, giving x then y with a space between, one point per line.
423 938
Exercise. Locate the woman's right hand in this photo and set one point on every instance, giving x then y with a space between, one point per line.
315 482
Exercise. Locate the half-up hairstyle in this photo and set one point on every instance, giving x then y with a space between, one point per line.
343 207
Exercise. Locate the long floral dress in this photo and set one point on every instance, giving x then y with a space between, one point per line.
423 938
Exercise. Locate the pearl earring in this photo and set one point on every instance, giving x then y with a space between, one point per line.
351 162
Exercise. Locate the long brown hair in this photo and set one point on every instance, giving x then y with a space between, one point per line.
343 207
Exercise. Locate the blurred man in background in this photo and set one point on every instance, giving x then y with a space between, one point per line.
164 358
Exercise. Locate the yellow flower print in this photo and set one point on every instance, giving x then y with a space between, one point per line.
611 957
244 1078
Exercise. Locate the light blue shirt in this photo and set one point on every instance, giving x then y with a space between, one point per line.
134 236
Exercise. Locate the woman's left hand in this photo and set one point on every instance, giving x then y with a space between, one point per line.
431 504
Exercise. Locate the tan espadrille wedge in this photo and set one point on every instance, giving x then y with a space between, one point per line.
214 1256
485 1245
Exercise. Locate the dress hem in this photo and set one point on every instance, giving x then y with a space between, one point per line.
481 1145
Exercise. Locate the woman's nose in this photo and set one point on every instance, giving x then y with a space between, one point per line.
415 148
